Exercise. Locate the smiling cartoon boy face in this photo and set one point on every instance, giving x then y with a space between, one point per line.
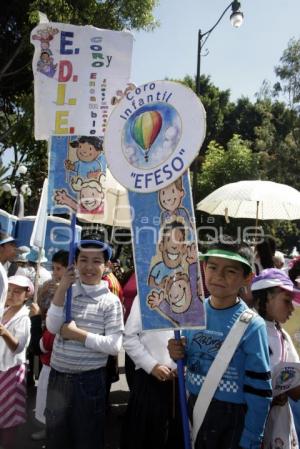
179 294
172 246
90 198
170 197
87 152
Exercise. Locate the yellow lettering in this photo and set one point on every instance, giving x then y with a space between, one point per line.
61 94
61 118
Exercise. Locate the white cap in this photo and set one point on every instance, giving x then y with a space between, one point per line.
22 281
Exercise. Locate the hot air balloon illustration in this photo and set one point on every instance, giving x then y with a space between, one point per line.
145 130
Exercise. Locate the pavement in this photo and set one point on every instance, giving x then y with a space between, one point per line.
118 401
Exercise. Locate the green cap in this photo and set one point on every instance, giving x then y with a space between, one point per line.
225 255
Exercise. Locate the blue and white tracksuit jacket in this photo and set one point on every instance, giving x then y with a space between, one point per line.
247 379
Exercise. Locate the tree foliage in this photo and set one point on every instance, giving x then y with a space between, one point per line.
223 166
16 79
217 106
245 139
288 72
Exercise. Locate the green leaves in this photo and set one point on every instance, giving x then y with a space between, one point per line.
16 79
225 165
289 73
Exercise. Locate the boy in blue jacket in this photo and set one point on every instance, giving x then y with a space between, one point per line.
237 413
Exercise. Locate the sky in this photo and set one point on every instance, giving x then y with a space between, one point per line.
238 59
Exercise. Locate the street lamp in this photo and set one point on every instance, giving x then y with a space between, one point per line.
236 19
18 191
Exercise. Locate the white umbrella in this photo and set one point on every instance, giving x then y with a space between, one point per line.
261 200
116 204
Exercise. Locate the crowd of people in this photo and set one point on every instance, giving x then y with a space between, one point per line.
232 366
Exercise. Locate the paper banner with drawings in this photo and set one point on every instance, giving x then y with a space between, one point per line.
166 258
77 173
151 139
154 134
79 72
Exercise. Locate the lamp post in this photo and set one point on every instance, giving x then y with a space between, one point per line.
18 191
236 19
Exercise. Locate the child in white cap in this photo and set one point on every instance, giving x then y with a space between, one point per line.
274 294
15 336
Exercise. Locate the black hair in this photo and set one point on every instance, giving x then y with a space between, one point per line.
227 243
4 236
260 299
95 245
266 250
294 271
92 140
46 51
61 257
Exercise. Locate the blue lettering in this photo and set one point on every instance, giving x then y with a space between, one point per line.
167 171
180 166
129 97
138 179
158 179
64 42
96 47
148 178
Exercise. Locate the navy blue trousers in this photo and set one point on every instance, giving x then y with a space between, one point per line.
75 410
222 426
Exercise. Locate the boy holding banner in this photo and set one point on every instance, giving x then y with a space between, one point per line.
235 394
75 410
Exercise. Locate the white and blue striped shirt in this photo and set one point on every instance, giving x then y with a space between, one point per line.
98 312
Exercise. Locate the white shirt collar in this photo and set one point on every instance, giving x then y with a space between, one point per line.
94 291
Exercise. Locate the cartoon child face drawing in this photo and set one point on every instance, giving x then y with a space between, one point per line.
45 45
90 197
172 245
171 196
87 152
179 294
90 161
45 57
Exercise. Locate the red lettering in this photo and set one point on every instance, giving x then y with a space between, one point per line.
65 71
